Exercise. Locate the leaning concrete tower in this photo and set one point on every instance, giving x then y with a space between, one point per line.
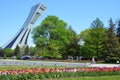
22 35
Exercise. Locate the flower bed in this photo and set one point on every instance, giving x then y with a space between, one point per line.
41 73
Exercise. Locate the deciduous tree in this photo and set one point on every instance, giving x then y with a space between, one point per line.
51 36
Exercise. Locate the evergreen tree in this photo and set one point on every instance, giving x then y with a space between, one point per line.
27 50
85 50
17 52
118 31
111 44
1 52
88 50
73 48
97 33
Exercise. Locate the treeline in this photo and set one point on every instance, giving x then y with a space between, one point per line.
17 53
102 42
55 39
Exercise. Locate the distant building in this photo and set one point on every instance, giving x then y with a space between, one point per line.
22 35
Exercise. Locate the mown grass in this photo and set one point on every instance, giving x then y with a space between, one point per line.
15 67
28 67
117 77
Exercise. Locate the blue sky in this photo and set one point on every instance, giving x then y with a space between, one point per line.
77 13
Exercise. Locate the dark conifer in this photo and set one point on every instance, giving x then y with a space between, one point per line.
111 44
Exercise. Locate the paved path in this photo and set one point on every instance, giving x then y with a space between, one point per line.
46 63
105 65
40 63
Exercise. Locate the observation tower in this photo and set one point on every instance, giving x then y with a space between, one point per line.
22 35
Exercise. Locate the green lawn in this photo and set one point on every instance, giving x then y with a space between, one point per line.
117 77
15 67
27 67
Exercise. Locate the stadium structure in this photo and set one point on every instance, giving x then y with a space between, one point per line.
22 35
